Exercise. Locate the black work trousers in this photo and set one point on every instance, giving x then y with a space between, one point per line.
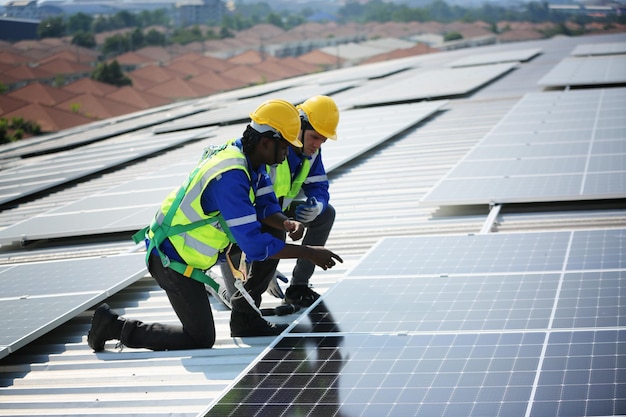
189 300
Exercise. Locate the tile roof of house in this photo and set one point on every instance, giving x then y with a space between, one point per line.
63 66
132 58
74 54
42 94
155 53
157 73
217 81
249 75
50 119
178 89
12 58
96 107
401 53
251 56
9 104
87 85
320 58
138 99
141 83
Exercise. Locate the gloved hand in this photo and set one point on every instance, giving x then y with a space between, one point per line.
307 212
274 288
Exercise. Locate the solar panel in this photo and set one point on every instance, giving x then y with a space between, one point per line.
608 48
521 55
420 84
94 132
227 112
28 179
545 149
594 70
499 325
131 206
38 297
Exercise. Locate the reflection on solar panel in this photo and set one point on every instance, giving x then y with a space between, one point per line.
64 167
552 146
93 132
419 84
38 297
484 325
595 70
239 111
521 55
609 48
130 206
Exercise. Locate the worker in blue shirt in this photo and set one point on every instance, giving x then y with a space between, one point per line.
228 198
301 185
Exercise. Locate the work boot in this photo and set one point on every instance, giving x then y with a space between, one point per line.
252 324
301 295
105 325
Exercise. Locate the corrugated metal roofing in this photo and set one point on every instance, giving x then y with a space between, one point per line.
375 195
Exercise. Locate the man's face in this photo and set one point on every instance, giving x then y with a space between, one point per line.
312 142
272 157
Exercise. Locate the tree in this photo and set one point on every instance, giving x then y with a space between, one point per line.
111 74
84 39
52 27
79 22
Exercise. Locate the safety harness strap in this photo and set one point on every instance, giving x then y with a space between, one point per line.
165 229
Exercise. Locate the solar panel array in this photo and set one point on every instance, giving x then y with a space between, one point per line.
589 71
38 297
64 167
552 146
131 206
421 84
609 48
502 325
521 55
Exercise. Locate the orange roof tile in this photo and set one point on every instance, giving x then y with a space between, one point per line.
301 66
131 58
320 58
247 75
8 80
63 66
41 94
139 99
87 85
12 58
157 73
274 70
155 53
96 107
214 64
26 73
401 53
251 56
50 119
177 89
75 54
141 83
9 104
217 82
186 67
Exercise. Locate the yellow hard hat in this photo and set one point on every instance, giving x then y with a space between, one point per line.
322 114
281 116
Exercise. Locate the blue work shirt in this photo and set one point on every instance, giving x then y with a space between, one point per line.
229 193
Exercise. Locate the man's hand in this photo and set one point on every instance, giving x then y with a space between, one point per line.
308 211
294 228
323 258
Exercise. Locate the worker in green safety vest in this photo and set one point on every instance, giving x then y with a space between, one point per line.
228 198
302 187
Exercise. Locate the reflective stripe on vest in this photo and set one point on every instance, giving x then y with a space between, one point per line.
284 185
200 246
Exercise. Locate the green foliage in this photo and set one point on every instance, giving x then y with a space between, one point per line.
3 88
16 128
111 74
452 36
52 27
155 38
84 39
79 22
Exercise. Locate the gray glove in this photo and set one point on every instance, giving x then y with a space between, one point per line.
274 288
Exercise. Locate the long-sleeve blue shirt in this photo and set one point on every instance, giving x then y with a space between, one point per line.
229 193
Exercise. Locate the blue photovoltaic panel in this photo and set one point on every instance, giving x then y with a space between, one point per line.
504 325
38 297
131 206
589 71
64 167
552 146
